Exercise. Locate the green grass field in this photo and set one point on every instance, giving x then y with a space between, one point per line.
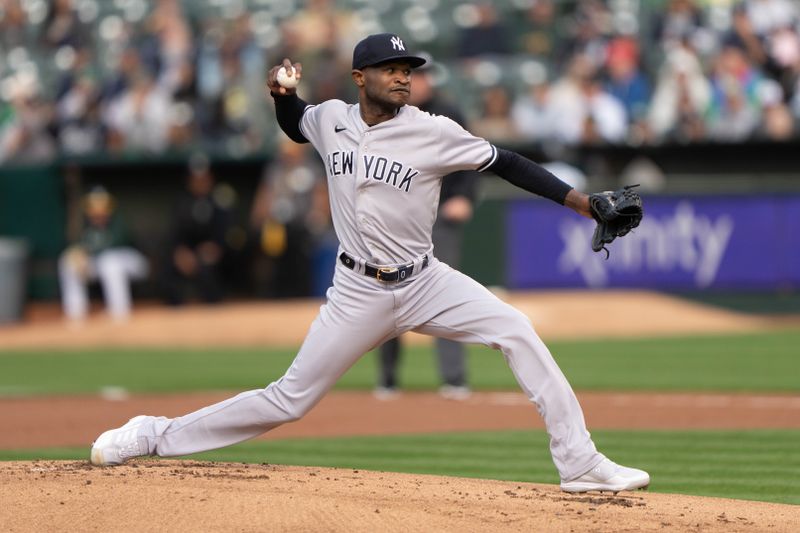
768 362
757 465
753 465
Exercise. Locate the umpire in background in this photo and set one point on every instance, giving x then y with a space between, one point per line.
455 210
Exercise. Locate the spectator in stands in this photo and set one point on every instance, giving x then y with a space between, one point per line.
627 83
589 32
734 111
777 122
776 53
542 34
583 110
494 121
121 75
237 128
183 107
488 36
164 42
103 252
80 125
230 83
210 82
681 98
321 31
170 42
732 118
25 131
285 217
742 34
198 240
139 119
241 41
80 65
604 119
13 30
63 27
783 52
565 98
321 36
769 15
533 116
681 20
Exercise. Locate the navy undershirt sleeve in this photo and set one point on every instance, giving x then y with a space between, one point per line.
289 110
529 176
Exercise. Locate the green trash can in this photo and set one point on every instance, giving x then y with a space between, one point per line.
13 278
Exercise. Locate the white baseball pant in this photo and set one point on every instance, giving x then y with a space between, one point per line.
360 314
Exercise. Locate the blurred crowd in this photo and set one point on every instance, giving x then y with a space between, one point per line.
81 77
684 71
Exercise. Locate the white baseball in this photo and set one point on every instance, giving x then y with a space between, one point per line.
286 80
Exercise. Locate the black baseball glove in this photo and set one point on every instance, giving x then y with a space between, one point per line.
617 213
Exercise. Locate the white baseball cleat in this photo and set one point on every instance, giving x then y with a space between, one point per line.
609 476
116 446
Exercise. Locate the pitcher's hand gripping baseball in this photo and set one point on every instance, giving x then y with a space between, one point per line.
616 213
283 78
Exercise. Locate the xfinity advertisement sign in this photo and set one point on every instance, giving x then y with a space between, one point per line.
702 242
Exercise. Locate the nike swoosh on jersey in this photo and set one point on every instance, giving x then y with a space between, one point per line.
337 129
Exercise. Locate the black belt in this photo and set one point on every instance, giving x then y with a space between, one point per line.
387 274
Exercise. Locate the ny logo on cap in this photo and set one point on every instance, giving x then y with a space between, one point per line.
397 43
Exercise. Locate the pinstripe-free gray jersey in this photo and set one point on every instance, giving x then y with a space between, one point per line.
384 186
384 180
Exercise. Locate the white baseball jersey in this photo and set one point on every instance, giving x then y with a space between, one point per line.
384 186
384 180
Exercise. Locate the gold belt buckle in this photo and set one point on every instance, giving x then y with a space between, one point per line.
384 270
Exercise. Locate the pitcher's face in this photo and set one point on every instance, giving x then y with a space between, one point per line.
388 84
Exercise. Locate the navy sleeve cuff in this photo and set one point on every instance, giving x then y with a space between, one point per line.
529 176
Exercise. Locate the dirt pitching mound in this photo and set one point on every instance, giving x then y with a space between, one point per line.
157 495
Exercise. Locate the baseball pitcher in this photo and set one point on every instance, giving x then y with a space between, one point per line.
385 160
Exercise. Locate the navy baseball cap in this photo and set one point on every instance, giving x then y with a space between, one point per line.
382 47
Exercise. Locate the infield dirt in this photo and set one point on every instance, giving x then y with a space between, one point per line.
199 496
154 495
